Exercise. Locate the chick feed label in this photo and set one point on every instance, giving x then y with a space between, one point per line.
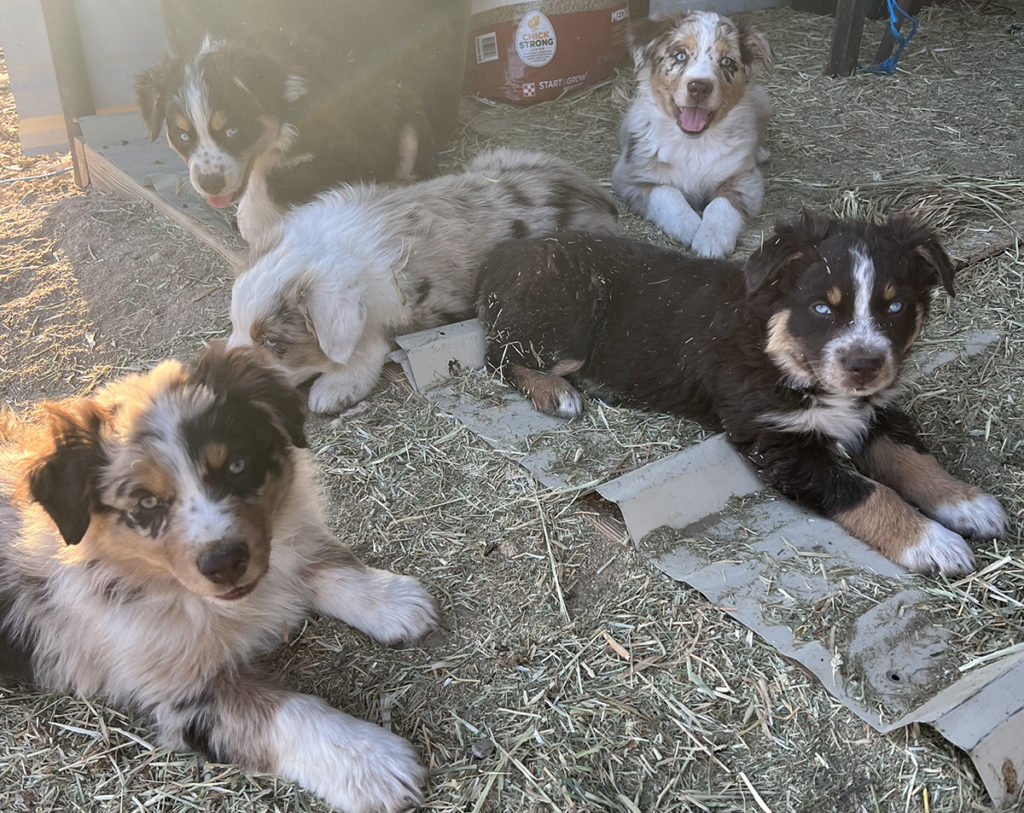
536 42
530 51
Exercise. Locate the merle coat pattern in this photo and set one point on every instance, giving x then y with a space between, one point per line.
161 534
364 264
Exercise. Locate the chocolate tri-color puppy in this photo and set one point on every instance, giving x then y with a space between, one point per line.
159 535
795 355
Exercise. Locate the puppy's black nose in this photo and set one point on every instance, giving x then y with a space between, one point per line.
211 182
863 364
699 89
225 563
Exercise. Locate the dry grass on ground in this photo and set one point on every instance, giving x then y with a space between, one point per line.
571 674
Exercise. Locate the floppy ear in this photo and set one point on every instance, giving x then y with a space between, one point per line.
63 481
644 34
922 249
336 318
151 93
791 242
238 375
757 53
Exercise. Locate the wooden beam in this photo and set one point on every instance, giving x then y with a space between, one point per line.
71 71
846 33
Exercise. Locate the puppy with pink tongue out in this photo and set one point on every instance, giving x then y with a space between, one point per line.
692 141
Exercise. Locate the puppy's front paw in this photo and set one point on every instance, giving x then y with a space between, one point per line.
354 765
561 402
939 550
333 393
389 607
669 210
708 243
718 230
978 517
408 612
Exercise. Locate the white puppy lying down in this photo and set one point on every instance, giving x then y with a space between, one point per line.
362 264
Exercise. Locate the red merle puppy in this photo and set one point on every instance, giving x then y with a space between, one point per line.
795 355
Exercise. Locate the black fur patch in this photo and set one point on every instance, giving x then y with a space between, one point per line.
64 482
257 414
15 654
518 196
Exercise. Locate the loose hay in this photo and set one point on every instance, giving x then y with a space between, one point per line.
571 674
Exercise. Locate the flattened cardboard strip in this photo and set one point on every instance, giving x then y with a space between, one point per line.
893 668
768 561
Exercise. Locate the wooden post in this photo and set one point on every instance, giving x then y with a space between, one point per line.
72 75
846 34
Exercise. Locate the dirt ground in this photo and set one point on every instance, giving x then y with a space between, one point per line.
570 674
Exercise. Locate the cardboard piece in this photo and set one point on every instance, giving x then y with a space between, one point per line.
893 668
709 474
796 579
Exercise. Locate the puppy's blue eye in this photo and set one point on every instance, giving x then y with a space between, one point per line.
726 62
821 309
679 56
184 137
895 306
237 466
149 502
269 343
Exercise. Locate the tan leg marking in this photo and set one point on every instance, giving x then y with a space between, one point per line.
916 475
885 522
549 392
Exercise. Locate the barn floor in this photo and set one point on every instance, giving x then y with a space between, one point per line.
571 674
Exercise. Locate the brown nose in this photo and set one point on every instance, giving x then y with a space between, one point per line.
699 89
225 563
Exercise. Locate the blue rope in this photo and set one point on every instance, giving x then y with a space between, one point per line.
895 13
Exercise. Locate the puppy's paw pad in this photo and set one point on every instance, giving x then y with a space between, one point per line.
939 550
980 517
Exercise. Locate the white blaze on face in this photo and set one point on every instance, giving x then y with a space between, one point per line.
865 332
204 519
201 518
702 64
861 337
208 158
